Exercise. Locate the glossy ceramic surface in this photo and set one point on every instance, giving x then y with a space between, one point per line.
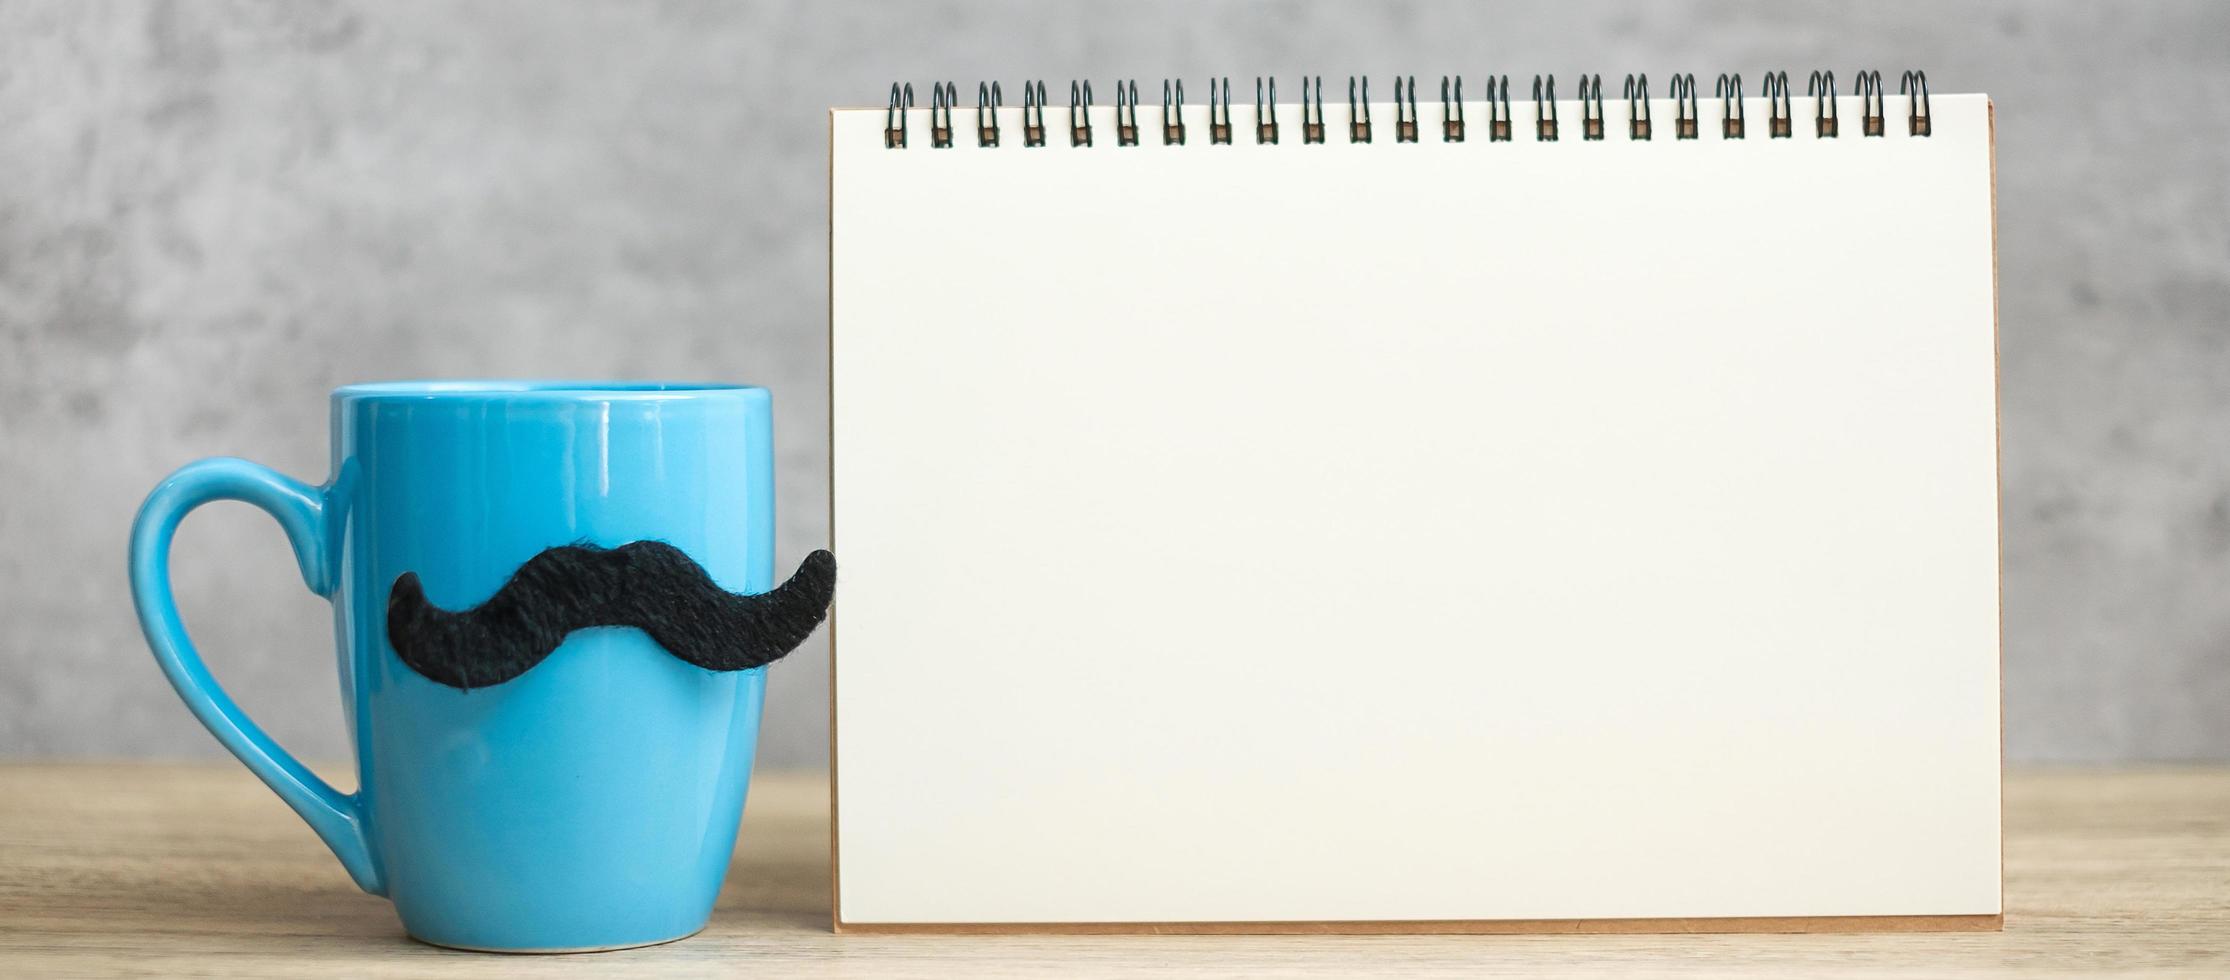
591 802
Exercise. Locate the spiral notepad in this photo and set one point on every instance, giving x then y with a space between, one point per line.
1271 507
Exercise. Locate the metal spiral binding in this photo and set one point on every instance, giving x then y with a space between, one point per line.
1729 94
1358 112
1312 110
894 118
1780 115
1219 126
1637 107
1498 109
1033 113
1405 110
1080 113
1265 113
1408 123
1684 107
1591 107
1918 117
1869 86
988 101
1544 111
1126 113
1172 113
1451 110
941 97
1821 88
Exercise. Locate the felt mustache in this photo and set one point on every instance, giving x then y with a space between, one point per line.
649 585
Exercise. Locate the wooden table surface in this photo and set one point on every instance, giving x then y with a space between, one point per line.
179 870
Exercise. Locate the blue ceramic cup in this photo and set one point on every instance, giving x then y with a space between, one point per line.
588 803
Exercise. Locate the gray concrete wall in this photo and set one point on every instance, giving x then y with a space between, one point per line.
211 213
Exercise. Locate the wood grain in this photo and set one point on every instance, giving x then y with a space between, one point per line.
197 870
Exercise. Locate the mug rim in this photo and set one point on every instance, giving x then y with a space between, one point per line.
538 389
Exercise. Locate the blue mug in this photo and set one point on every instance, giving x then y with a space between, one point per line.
590 802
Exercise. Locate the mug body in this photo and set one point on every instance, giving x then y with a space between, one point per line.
591 802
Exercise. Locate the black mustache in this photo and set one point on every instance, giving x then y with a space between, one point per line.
649 585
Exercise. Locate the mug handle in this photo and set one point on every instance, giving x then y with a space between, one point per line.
337 817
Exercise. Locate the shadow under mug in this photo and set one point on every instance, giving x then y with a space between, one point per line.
589 803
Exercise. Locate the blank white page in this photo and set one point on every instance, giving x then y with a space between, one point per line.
1396 532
